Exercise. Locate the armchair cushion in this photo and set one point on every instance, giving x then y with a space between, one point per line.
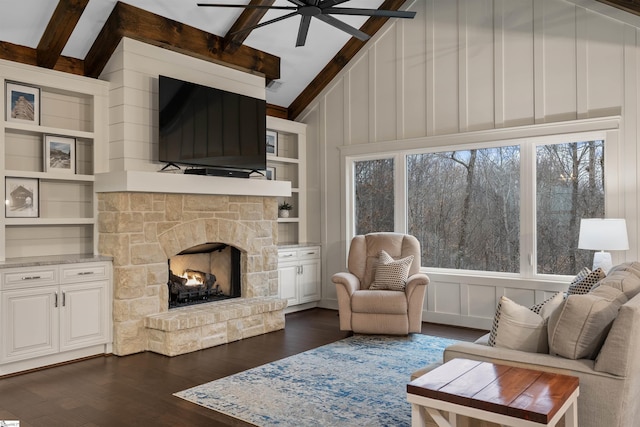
391 274
382 302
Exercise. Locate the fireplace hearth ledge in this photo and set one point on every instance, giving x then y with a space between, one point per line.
196 327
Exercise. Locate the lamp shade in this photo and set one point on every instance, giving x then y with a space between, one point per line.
608 234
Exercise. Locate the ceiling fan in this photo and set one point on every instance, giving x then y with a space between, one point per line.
320 9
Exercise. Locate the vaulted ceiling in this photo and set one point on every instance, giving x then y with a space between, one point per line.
79 36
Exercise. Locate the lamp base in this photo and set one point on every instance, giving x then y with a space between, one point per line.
602 260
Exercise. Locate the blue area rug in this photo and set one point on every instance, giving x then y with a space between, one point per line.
358 381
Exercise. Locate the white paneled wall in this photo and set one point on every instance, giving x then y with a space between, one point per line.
476 65
133 71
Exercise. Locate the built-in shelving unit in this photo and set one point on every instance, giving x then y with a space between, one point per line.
71 107
288 164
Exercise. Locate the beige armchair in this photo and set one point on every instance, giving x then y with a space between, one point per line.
372 311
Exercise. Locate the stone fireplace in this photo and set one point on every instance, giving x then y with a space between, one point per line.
142 230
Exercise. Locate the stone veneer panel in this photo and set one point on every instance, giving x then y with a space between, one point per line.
141 231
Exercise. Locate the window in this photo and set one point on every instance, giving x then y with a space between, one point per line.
374 195
569 186
464 207
509 207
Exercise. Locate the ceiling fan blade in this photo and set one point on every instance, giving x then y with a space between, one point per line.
369 12
247 6
344 27
298 2
303 30
262 24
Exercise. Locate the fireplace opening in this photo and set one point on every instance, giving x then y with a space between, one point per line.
204 273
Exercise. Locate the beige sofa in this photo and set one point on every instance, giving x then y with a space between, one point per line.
610 384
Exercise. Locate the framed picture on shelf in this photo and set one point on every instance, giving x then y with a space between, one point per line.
59 154
272 142
22 198
271 173
23 103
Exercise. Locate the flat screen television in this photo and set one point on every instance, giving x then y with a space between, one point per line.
210 128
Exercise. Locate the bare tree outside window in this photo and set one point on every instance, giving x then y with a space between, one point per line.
464 207
374 196
570 186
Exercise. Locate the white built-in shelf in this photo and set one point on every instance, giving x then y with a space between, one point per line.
48 221
272 158
291 220
26 127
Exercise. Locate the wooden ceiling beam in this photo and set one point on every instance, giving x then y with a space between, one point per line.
59 29
350 49
138 24
27 55
631 6
248 18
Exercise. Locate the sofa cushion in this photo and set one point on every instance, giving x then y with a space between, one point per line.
579 327
623 280
520 328
585 281
381 302
391 274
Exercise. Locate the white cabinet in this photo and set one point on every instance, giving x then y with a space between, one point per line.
288 163
62 311
299 275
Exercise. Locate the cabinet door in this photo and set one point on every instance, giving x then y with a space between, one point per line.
83 315
309 281
287 282
29 323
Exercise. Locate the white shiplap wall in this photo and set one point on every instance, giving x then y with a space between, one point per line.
463 66
133 71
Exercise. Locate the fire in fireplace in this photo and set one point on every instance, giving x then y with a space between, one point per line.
204 273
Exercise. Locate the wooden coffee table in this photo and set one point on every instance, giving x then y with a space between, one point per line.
497 393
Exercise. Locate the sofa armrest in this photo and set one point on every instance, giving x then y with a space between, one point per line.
414 282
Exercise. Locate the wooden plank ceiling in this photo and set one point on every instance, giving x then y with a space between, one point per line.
138 24
129 21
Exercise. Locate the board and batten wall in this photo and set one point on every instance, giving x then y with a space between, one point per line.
473 67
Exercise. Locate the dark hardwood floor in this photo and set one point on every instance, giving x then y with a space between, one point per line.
137 390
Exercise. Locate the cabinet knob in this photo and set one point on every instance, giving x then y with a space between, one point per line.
31 277
85 273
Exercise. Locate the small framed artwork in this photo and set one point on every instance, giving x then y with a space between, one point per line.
271 173
23 103
59 154
22 198
272 142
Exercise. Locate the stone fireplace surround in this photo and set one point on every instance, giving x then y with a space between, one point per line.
142 230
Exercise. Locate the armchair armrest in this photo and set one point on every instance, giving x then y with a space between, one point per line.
349 281
414 281
415 291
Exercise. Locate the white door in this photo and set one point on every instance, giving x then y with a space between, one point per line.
29 323
288 282
309 281
83 315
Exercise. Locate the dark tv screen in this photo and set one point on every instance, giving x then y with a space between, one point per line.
208 127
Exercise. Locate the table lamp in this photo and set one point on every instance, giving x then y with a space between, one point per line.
608 234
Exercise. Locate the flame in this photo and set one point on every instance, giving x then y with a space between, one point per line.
192 280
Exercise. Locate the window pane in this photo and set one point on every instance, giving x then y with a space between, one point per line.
570 186
464 208
374 196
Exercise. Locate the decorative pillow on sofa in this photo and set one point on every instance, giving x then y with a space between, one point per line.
623 280
520 328
391 274
585 281
578 329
